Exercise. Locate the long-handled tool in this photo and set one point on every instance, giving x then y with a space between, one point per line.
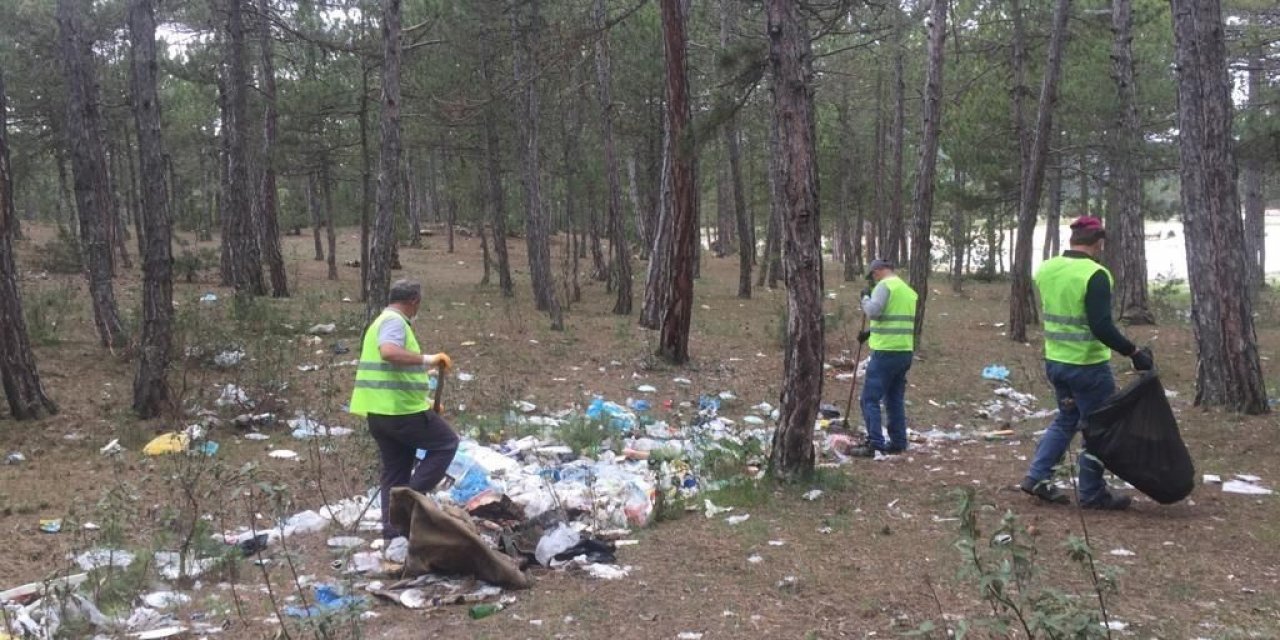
435 398
848 405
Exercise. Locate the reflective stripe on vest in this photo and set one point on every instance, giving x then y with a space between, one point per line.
1062 283
894 330
385 388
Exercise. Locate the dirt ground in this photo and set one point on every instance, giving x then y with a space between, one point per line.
873 556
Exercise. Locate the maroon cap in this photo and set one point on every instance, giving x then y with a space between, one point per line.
1086 222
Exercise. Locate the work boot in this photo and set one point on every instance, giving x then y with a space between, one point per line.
864 450
1044 490
1108 502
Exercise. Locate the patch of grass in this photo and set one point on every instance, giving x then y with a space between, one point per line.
743 492
45 310
584 435
61 254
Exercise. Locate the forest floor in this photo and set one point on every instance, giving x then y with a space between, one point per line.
874 555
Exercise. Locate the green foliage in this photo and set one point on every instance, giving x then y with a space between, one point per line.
46 309
1170 299
1004 566
191 265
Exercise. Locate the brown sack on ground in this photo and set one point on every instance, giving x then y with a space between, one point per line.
442 541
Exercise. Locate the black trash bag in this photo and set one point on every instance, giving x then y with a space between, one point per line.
1135 435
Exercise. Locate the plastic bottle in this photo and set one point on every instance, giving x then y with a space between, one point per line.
484 610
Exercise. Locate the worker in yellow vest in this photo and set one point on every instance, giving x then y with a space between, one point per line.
1079 336
391 390
891 306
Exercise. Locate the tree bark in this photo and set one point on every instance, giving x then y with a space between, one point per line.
897 145
790 63
413 198
673 344
366 183
1021 302
18 373
1254 178
497 197
926 168
617 230
93 194
116 226
1052 232
383 238
150 385
657 293
331 233
313 206
1228 372
1020 92
733 149
1129 247
270 221
526 71
241 243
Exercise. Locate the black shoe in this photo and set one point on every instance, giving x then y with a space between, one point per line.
893 451
1044 490
863 451
1108 502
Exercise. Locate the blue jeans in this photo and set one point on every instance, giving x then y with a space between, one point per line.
887 382
1080 390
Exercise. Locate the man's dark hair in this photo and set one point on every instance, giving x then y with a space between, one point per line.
1088 236
404 291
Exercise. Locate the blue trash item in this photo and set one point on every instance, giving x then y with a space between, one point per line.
996 372
208 448
709 404
639 405
612 414
327 600
470 480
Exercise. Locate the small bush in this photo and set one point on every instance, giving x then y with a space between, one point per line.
190 265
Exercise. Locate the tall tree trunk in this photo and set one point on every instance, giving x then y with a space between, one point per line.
241 242
383 239
571 134
1129 248
733 148
846 242
1021 302
526 71
270 221
18 373
326 199
150 385
134 195
413 197
1020 92
637 208
790 62
313 206
875 239
617 230
673 345
450 200
497 197
926 168
1228 372
897 144
366 183
1086 201
657 292
93 194
1254 178
119 233
1052 230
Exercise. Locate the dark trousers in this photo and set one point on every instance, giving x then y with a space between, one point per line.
399 438
886 382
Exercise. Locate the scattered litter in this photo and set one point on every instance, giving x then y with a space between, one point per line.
1245 487
308 367
231 395
755 558
995 372
165 599
208 298
524 407
727 396
166 443
254 435
1124 553
322 329
305 428
1244 477
111 448
689 635
465 377
682 381
171 566
99 558
345 542
15 458
469 343
1116 625
711 510
207 447
228 359
812 494
737 520
282 454
328 599
606 571
479 611
646 388
1210 478
777 543
397 550
754 421
369 562
555 542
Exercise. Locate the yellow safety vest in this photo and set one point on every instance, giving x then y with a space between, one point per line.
384 388
895 329
1062 282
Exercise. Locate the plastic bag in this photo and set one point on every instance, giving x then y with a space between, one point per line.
618 417
555 542
470 479
1135 435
